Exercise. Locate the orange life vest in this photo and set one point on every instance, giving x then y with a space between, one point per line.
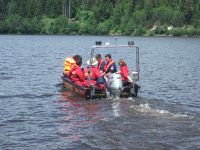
108 65
99 65
69 62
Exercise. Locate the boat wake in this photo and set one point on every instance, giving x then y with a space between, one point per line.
147 109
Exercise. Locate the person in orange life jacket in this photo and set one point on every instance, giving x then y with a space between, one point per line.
110 66
94 74
124 71
101 63
76 73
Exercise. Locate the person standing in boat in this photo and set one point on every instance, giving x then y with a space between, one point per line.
76 73
124 71
110 66
101 63
94 74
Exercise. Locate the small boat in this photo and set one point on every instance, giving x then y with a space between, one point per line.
114 87
92 92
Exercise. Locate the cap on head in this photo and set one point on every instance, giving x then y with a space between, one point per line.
93 62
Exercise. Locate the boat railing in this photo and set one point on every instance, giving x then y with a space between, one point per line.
130 44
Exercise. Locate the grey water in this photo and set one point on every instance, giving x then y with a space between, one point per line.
35 113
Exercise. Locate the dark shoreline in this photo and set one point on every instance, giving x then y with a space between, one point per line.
163 35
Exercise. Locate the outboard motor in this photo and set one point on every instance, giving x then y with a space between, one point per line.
135 87
114 84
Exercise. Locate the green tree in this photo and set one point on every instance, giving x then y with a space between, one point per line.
72 28
47 25
104 27
60 25
87 22
102 10
13 23
30 26
99 16
140 17
117 13
187 6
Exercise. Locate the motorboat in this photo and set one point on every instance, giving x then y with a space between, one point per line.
113 85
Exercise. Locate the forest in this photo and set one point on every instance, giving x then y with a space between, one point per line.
101 17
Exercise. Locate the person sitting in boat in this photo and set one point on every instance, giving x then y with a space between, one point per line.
101 63
76 73
110 66
124 71
95 74
68 64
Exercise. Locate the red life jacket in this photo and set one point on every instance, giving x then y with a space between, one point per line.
95 73
76 74
124 73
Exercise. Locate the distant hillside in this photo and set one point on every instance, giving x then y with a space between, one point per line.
101 17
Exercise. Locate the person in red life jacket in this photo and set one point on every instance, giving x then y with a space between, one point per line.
110 66
124 71
76 73
94 74
101 63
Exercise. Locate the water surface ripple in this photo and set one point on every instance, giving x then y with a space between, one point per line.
37 114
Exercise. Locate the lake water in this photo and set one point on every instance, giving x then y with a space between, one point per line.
37 114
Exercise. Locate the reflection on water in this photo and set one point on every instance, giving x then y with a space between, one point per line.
116 109
79 115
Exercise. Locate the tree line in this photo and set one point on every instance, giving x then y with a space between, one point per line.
100 17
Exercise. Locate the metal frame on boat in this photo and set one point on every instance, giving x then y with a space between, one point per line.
93 92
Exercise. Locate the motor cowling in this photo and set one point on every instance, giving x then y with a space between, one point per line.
114 84
114 81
